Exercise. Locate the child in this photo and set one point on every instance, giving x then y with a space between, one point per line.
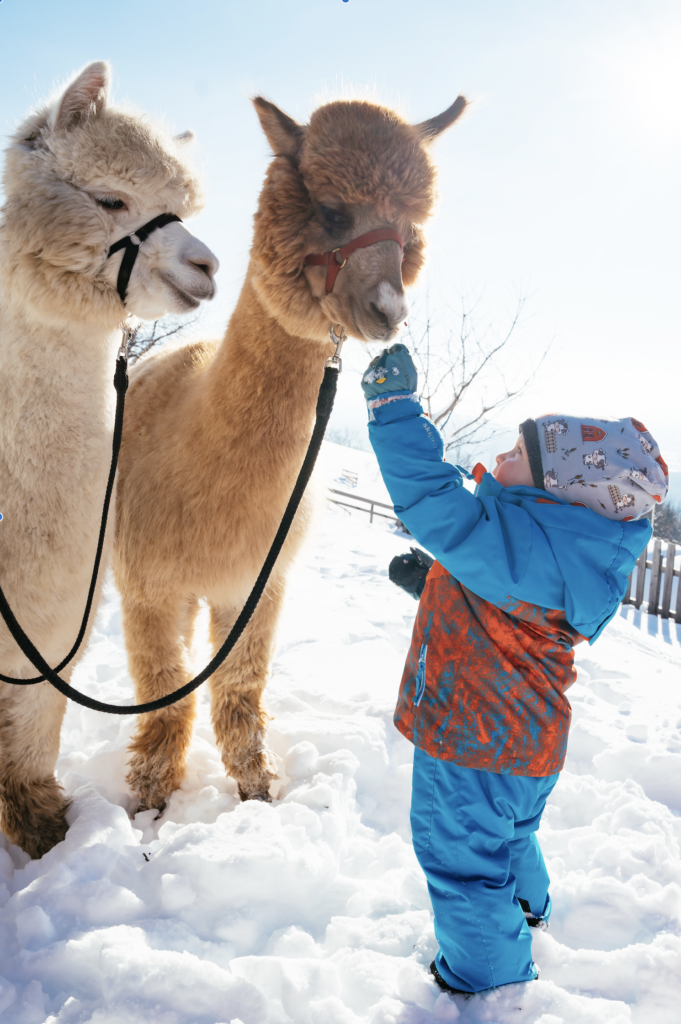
534 563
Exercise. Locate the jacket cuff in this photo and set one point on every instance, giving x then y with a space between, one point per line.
397 405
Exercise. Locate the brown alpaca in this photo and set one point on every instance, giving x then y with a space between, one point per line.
216 433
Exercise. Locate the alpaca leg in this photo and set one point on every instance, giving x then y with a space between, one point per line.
237 709
33 807
156 640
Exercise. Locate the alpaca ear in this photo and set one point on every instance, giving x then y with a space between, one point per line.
183 137
85 97
284 135
431 128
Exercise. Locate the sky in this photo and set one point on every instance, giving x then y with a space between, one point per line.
561 184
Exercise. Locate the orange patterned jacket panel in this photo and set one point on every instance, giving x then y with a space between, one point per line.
484 686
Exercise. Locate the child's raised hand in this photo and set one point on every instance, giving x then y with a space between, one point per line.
392 370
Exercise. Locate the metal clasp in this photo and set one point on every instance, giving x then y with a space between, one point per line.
345 260
127 336
337 340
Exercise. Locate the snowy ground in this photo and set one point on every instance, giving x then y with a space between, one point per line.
312 909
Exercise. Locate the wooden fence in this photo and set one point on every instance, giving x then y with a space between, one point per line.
661 566
369 505
660 582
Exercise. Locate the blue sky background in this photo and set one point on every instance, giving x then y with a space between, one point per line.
563 181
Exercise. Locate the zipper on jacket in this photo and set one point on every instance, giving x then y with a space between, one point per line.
421 675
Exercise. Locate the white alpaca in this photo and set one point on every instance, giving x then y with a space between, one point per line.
79 175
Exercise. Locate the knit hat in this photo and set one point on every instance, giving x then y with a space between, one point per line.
611 466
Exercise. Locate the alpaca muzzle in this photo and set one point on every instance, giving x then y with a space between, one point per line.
131 243
337 258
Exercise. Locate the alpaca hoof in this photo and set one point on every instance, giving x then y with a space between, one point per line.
37 829
254 774
49 832
152 783
143 806
264 796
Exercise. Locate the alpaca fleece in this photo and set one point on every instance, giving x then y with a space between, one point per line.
215 434
59 312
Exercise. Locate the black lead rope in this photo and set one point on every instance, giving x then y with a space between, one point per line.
131 244
325 400
121 386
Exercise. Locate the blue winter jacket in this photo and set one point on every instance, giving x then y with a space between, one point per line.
520 578
503 542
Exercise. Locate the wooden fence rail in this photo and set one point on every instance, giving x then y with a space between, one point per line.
361 508
662 571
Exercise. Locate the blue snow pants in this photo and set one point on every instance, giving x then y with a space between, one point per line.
474 836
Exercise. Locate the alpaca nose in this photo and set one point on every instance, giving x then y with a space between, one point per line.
388 305
199 255
205 268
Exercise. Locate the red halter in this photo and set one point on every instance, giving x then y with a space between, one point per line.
337 258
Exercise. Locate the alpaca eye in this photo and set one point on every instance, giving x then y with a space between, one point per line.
111 203
334 218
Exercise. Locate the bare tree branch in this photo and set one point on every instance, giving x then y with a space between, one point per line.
147 337
456 356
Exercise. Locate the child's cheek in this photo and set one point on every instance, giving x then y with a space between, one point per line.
503 473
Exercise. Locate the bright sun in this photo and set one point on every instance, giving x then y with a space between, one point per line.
644 76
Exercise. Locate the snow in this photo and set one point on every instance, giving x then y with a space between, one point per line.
352 470
312 909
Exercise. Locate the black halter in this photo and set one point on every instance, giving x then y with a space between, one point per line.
131 244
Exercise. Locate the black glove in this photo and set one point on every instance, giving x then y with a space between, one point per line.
410 571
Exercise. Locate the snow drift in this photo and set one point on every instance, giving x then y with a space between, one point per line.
312 909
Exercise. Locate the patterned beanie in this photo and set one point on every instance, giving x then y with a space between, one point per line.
612 466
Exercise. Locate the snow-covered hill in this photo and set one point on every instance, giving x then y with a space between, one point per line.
312 909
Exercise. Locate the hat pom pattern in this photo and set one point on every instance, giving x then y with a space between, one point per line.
611 466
